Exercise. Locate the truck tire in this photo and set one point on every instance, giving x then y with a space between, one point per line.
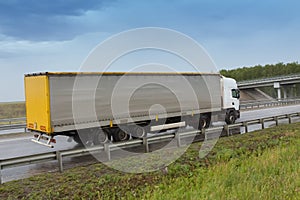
204 121
100 136
77 139
230 118
84 137
138 132
120 135
192 121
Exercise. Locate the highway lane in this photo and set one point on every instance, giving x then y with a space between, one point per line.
268 112
15 146
12 131
21 146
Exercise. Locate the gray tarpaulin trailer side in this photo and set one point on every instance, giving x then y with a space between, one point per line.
90 100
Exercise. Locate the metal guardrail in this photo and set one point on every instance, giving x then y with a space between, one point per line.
109 147
13 120
15 126
268 103
12 123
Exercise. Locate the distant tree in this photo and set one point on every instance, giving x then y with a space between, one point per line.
266 71
258 71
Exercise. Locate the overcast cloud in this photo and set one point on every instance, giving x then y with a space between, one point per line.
58 35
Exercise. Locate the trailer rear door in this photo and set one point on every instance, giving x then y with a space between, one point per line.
38 103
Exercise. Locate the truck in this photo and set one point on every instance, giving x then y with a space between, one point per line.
100 107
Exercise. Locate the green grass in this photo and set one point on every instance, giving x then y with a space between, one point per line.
274 174
12 110
259 165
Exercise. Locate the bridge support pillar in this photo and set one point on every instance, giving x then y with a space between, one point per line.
284 92
293 92
278 94
277 86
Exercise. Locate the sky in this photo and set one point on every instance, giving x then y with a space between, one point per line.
58 35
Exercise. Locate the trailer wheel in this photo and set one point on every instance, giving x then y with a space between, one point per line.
77 139
204 121
230 118
138 132
191 121
120 135
84 137
100 136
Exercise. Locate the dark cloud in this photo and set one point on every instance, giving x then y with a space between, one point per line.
43 19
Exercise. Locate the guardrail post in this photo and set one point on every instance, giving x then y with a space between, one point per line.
245 124
0 174
59 160
262 122
177 136
202 131
146 145
226 129
276 120
107 150
290 118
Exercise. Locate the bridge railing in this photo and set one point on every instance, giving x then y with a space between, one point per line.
277 78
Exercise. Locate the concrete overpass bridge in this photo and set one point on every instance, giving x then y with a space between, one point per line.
282 84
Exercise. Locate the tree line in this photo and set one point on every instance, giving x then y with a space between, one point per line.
259 71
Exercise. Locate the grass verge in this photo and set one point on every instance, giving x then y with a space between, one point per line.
258 165
12 110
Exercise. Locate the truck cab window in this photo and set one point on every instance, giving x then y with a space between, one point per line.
235 93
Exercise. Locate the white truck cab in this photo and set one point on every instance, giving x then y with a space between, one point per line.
231 103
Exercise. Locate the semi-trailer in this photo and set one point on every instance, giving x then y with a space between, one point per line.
98 107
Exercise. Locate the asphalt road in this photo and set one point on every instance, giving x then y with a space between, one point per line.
268 112
21 145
